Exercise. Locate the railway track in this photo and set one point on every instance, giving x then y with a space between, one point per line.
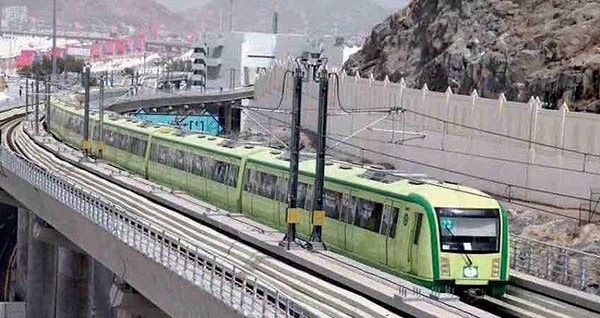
521 302
343 301
322 297
517 303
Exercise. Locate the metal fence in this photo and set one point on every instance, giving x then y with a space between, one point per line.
573 268
234 286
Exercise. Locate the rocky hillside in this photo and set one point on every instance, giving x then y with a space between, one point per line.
314 16
549 49
109 13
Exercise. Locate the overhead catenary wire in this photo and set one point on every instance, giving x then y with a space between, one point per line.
337 93
282 94
440 185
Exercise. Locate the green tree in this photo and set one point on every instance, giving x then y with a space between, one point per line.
44 67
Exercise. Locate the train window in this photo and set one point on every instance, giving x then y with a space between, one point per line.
368 215
175 159
472 230
138 146
120 140
219 171
332 203
310 193
251 181
282 184
79 124
158 153
232 175
269 184
348 209
197 163
95 132
209 164
301 195
110 138
418 228
389 221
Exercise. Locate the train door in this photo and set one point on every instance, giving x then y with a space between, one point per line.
281 198
348 213
407 228
392 242
415 240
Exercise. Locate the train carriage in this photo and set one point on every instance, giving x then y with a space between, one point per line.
125 141
206 166
434 233
437 234
67 123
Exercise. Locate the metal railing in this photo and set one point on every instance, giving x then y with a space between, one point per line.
234 286
569 267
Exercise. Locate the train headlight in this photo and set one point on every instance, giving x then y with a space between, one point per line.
445 266
470 272
496 267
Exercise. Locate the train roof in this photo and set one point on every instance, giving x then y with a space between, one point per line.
208 143
384 182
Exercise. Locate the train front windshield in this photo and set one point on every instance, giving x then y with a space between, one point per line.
469 230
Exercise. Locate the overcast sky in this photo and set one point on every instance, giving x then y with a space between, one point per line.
188 4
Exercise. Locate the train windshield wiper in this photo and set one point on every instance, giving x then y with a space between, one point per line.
468 258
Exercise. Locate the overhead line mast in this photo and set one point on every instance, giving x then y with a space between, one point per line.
310 67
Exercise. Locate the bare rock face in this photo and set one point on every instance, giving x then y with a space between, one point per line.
522 48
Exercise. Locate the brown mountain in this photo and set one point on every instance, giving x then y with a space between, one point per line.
522 48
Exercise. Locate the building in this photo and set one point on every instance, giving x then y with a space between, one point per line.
14 17
232 59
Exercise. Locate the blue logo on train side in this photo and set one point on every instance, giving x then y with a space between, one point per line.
204 122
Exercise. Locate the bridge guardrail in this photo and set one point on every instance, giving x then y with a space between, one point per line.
559 264
235 287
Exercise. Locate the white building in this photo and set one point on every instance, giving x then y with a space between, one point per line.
234 58
14 16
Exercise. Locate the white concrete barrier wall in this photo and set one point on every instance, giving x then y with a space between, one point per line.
516 161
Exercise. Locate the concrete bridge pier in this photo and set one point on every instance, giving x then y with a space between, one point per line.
74 284
41 274
19 290
103 280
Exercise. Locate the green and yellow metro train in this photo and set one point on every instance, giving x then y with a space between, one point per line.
437 234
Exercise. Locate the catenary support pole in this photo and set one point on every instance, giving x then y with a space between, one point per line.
100 145
47 90
37 104
86 117
26 95
318 214
292 213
